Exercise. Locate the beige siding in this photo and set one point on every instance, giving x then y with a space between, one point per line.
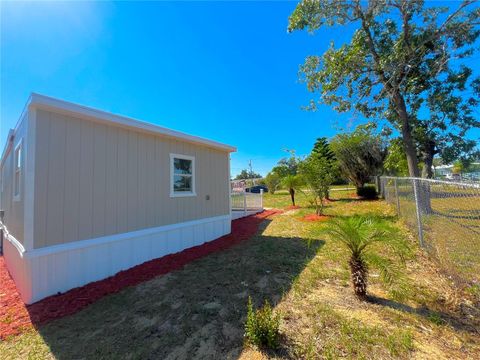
14 209
94 179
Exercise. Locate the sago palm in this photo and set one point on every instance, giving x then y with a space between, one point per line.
357 234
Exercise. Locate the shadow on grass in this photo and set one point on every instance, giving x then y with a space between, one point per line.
458 321
196 312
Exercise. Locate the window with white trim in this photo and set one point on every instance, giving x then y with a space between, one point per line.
17 171
182 170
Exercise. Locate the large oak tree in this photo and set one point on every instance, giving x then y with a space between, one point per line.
399 65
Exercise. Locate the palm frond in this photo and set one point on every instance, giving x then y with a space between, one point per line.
358 233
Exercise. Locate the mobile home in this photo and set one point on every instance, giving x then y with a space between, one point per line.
86 193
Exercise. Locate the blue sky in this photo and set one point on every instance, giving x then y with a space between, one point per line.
221 70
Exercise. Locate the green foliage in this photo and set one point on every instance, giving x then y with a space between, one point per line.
246 174
287 166
435 318
406 62
368 192
272 181
359 234
395 163
317 172
458 167
291 182
322 149
360 154
262 326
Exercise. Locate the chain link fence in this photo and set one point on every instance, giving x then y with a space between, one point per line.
446 217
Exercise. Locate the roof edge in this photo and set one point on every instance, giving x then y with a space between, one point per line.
50 103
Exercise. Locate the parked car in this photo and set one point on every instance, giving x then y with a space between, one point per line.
456 177
256 189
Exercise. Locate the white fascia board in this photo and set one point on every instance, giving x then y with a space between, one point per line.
49 103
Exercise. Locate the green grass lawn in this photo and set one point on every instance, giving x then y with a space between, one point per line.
199 311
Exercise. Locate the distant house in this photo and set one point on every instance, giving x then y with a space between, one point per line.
443 170
446 171
86 194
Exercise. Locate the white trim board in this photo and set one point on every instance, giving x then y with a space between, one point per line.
53 104
46 271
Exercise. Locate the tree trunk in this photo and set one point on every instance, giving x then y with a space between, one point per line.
424 193
292 195
359 274
319 208
428 154
408 143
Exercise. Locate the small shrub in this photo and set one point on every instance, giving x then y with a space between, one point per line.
262 326
367 192
436 318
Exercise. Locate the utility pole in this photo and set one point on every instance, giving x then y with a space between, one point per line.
250 166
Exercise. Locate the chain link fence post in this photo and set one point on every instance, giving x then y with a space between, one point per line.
418 208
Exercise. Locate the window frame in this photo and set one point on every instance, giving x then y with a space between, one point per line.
17 192
174 193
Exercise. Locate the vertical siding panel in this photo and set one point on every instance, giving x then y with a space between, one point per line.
150 200
203 176
142 181
111 180
180 202
85 201
161 184
99 163
222 193
56 180
72 174
41 178
132 188
226 179
214 180
122 181
158 179
192 202
211 184
173 215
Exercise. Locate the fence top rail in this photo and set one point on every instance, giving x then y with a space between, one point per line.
473 185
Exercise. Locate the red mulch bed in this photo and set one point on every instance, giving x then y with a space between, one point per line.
293 207
16 317
314 217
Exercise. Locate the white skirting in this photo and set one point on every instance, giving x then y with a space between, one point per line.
46 271
237 214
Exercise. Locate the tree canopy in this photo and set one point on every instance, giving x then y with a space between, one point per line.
317 172
360 154
395 161
399 66
247 174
